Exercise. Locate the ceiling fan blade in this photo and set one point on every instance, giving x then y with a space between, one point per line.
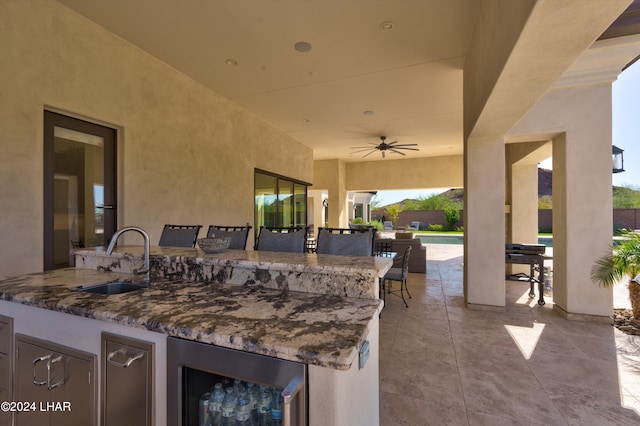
395 151
405 144
371 145
408 149
361 150
368 154
382 154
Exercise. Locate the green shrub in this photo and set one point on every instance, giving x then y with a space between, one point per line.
377 224
545 202
451 215
409 205
435 227
459 228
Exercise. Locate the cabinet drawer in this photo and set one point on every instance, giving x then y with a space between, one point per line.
5 417
5 372
5 336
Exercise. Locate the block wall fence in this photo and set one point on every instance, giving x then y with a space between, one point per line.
622 218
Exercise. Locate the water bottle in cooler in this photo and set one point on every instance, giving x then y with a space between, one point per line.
254 394
215 404
203 410
276 407
243 411
264 407
229 407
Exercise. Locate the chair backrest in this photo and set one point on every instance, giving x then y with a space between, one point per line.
404 262
346 241
388 224
77 244
284 239
415 225
179 235
238 235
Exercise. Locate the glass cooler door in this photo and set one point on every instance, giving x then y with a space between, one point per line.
208 386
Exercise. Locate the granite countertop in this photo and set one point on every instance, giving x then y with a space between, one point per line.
344 276
319 329
299 262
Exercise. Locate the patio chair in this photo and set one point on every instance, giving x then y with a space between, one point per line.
238 235
346 241
387 225
415 226
179 235
397 273
283 239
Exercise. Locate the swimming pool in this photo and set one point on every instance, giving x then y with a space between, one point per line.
459 239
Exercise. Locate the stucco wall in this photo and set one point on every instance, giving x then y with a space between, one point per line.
419 173
186 154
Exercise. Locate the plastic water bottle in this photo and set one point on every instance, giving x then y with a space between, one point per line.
243 410
254 394
276 407
264 407
229 407
203 411
215 404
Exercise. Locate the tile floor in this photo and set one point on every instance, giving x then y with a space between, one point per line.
442 364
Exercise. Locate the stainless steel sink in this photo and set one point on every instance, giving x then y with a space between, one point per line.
113 287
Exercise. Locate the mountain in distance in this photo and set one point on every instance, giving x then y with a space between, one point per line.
544 188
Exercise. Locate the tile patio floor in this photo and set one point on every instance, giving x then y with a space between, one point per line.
442 364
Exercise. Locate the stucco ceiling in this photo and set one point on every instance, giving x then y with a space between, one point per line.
357 82
410 77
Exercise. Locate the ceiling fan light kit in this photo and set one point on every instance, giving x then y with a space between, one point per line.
393 147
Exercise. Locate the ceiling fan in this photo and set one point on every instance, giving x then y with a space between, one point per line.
394 147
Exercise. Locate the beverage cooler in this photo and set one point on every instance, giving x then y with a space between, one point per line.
208 386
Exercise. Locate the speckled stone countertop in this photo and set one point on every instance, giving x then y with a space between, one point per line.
348 276
319 329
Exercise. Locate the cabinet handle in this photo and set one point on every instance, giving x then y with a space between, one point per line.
60 382
123 351
294 386
35 362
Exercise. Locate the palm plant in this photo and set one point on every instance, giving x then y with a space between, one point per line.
623 261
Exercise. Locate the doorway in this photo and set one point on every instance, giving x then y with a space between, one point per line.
79 187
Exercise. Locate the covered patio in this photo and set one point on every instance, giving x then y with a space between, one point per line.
443 364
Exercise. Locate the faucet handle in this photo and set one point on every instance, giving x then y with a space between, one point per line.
140 271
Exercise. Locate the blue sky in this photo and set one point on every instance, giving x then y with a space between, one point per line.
626 135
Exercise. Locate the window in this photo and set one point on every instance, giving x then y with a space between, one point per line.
279 201
358 211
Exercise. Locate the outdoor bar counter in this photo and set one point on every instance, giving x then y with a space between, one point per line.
348 276
313 309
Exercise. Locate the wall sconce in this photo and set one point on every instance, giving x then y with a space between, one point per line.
325 203
617 158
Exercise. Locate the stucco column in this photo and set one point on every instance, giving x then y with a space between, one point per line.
582 213
330 175
522 218
524 203
484 223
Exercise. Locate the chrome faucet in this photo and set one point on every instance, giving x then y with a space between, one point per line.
147 248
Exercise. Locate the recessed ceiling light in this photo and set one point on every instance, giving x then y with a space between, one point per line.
306 120
368 112
231 62
302 46
386 26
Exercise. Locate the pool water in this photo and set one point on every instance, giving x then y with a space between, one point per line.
459 239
